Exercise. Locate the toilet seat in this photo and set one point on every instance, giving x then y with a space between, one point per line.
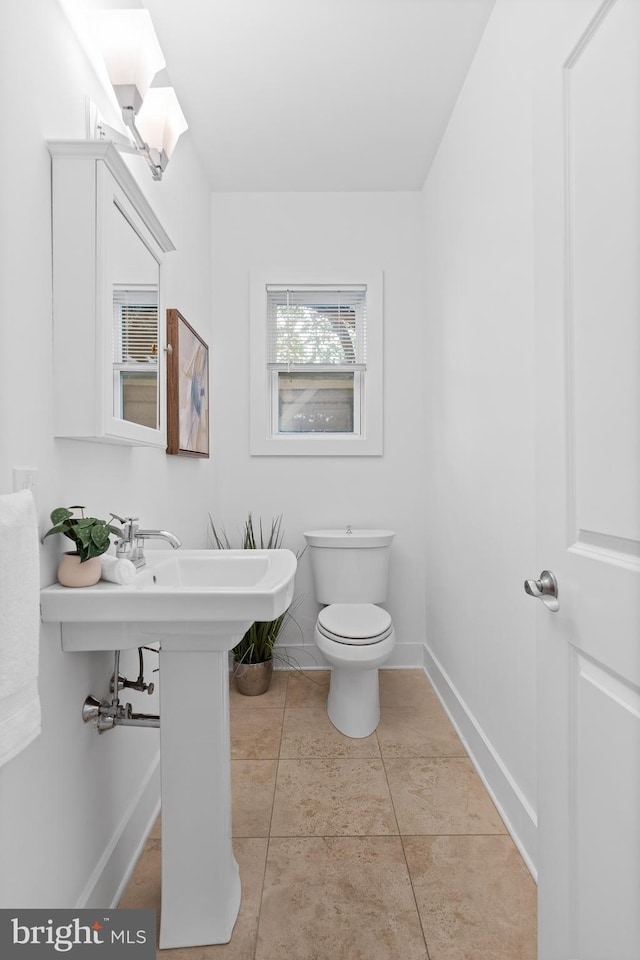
356 624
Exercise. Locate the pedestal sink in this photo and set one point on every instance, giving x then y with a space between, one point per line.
197 604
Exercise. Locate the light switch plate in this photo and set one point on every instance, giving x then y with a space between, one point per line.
24 478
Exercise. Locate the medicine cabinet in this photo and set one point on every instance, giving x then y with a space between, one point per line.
108 338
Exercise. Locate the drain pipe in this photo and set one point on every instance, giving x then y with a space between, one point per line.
108 714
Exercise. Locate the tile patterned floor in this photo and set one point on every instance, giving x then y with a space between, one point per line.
386 848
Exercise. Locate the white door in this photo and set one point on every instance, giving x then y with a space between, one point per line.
587 343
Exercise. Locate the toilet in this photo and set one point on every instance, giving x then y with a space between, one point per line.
350 570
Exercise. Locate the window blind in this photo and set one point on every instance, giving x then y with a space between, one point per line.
135 335
316 328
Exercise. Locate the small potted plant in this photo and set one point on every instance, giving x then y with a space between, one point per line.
81 567
253 656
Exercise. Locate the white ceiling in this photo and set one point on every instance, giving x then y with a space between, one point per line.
318 94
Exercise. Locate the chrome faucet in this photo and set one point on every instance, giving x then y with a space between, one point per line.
131 546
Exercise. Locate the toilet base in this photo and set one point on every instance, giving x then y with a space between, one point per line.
353 705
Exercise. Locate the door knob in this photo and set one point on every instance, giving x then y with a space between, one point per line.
545 589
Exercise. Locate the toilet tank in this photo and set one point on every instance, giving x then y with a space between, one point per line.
350 567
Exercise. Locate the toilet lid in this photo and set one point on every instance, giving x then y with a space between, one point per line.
355 622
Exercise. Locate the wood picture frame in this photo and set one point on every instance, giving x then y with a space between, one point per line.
187 389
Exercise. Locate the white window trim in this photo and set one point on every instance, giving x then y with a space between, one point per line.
263 443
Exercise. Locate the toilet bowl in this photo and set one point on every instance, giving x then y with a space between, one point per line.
355 636
355 639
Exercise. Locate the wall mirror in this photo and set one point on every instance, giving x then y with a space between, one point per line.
108 250
136 336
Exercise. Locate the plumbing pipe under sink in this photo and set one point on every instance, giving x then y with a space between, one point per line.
109 714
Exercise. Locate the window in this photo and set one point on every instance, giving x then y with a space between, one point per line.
316 403
316 366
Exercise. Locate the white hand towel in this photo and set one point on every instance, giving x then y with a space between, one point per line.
19 623
117 571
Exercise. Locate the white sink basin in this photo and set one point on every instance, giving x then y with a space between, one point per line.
209 569
208 592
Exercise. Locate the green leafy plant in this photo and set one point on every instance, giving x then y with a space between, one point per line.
90 535
258 642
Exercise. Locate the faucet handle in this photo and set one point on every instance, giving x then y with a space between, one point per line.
126 548
130 525
124 519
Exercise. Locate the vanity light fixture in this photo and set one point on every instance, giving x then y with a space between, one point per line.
132 57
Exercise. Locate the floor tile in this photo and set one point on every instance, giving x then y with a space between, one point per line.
252 787
242 945
475 896
424 731
404 688
322 867
143 889
343 898
309 733
332 798
274 697
251 854
309 689
255 734
440 796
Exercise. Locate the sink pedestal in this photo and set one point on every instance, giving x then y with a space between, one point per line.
200 877
198 604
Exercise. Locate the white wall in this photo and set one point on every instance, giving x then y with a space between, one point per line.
479 482
325 231
71 796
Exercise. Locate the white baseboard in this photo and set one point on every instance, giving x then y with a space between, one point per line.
113 871
302 657
518 815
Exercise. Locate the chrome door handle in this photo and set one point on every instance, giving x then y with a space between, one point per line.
545 589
